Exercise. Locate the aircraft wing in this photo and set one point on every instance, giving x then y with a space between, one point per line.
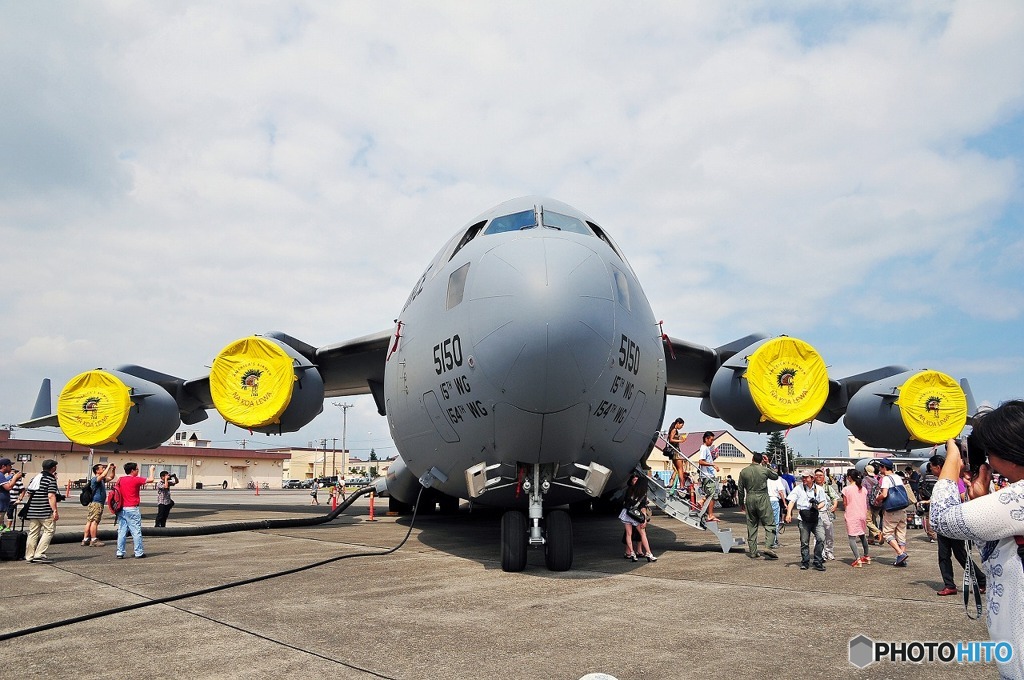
761 384
271 383
691 367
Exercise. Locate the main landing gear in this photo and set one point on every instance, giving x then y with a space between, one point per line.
553 530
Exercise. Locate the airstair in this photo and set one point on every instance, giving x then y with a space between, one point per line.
674 504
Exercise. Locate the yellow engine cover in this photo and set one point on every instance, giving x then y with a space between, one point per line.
788 381
933 407
251 382
93 408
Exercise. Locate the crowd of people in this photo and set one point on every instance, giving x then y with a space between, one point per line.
38 502
973 493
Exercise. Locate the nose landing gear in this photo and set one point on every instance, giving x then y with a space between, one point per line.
520 531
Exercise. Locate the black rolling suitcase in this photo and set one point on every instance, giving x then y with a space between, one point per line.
12 543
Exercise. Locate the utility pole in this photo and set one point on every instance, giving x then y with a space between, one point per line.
344 433
334 453
323 468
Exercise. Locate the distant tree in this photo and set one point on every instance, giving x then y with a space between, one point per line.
373 455
778 451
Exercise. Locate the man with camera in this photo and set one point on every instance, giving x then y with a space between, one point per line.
163 497
810 500
8 480
951 547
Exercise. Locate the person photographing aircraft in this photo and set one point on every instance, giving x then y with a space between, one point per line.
994 519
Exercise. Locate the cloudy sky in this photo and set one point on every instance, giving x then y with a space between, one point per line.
174 176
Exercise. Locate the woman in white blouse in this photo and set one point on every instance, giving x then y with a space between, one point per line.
994 520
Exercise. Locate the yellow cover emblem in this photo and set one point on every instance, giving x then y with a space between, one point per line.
933 407
251 382
788 381
93 408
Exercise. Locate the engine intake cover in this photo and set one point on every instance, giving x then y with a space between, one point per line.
772 384
253 381
910 409
114 410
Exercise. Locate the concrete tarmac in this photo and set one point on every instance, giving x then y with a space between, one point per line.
441 607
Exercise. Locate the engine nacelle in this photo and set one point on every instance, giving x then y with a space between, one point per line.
401 483
908 410
263 385
115 411
771 385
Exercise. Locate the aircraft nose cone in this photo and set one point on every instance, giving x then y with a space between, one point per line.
542 317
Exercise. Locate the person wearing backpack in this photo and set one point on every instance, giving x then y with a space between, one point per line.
129 518
96 490
892 494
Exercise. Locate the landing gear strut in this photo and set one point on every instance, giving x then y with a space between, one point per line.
518 532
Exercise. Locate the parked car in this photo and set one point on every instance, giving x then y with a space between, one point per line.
306 484
291 484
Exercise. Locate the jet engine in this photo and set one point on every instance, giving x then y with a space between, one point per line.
908 410
771 385
111 410
263 385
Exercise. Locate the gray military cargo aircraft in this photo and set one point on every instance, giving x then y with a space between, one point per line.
526 371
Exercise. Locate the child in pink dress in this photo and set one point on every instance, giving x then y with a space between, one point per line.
855 512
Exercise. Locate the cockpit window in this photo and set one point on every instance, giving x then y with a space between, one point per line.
457 286
565 223
526 219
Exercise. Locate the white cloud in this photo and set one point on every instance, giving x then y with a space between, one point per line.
184 174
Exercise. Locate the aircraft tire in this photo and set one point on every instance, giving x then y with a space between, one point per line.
513 541
558 546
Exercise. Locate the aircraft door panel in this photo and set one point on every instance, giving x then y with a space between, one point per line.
639 401
438 418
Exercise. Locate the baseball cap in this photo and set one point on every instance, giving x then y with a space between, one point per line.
5 461
886 463
807 473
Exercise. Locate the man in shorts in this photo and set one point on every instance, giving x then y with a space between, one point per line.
708 469
101 474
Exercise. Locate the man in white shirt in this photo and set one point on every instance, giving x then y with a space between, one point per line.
777 489
708 469
809 499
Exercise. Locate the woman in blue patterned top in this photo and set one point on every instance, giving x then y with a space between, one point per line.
994 519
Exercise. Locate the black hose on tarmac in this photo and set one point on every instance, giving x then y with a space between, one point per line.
237 526
251 525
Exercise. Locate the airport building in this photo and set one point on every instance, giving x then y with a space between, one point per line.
306 463
196 463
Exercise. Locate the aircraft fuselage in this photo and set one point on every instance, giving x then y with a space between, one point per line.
531 342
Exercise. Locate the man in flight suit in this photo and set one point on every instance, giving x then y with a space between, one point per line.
754 501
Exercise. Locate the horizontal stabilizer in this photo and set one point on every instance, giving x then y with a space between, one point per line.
42 412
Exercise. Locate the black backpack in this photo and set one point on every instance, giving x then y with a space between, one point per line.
86 496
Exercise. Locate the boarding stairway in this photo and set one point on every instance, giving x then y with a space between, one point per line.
673 503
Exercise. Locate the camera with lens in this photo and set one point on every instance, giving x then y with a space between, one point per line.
972 453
